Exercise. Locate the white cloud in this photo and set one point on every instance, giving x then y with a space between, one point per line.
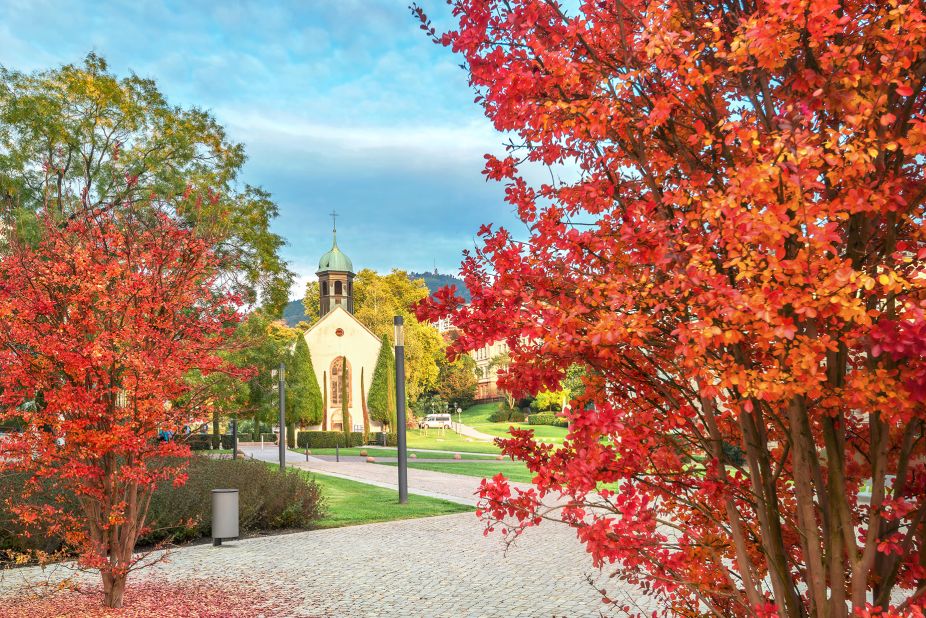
401 146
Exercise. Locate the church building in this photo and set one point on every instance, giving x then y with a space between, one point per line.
342 348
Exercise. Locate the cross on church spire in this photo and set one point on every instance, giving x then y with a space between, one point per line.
334 225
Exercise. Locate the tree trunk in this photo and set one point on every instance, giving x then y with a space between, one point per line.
216 439
113 589
255 432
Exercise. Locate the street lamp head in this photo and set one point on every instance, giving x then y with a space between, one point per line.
399 323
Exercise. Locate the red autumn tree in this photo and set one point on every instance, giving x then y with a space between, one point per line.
100 324
732 244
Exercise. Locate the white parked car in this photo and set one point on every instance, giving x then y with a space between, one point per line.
435 421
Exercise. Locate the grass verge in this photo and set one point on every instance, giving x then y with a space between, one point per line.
349 503
477 417
515 471
391 452
449 441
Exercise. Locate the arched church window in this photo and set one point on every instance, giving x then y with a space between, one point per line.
338 288
336 376
324 288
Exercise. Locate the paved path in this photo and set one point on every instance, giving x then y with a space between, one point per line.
432 450
454 487
469 432
380 459
435 567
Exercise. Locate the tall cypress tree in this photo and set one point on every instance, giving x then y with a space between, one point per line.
303 397
345 403
325 401
366 411
381 401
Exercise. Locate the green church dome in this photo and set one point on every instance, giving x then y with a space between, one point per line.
335 260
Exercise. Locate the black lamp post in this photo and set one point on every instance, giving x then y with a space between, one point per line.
282 439
400 405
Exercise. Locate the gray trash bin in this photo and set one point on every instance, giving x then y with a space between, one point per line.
224 515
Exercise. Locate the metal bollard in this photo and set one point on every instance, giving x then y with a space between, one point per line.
224 515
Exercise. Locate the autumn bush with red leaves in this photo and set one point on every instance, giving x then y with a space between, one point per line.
732 245
101 324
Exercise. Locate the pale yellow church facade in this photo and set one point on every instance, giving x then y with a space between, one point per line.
338 337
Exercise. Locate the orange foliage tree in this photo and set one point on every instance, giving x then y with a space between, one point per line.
101 323
731 243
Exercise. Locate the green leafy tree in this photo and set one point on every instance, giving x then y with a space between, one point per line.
79 137
377 300
456 381
431 403
500 362
259 343
230 395
381 401
574 382
311 303
550 400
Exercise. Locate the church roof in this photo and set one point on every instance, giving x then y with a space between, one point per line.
336 311
335 260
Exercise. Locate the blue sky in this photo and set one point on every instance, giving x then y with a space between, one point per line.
341 104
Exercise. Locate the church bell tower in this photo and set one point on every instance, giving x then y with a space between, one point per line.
335 277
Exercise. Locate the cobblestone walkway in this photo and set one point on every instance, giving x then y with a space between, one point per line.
433 567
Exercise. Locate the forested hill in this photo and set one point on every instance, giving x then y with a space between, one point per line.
294 312
435 281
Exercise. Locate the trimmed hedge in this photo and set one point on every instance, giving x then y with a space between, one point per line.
199 441
560 422
246 437
227 439
392 439
504 415
329 439
501 415
542 418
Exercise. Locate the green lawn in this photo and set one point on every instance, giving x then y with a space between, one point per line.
450 441
515 471
390 452
477 417
349 503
